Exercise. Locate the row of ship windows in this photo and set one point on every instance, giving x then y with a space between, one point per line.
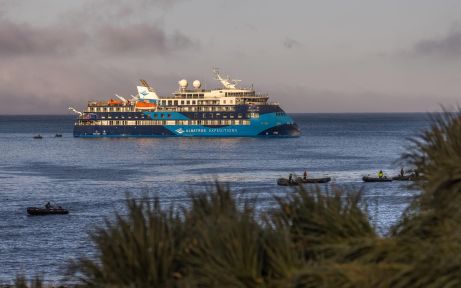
184 109
240 93
163 122
193 102
206 108
280 114
196 115
189 96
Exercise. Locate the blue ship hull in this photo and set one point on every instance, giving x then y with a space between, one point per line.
184 131
269 124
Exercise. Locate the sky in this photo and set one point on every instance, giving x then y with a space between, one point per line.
311 56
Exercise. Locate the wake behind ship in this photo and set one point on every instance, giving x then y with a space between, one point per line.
225 112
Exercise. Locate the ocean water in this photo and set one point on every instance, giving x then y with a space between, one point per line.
91 177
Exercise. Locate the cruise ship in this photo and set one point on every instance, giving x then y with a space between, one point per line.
228 111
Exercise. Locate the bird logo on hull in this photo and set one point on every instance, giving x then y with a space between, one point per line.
179 130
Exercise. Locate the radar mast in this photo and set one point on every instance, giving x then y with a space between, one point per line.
228 83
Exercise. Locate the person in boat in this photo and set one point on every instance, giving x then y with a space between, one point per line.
380 174
290 178
305 175
48 205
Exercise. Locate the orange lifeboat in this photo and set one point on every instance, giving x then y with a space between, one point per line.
145 105
113 102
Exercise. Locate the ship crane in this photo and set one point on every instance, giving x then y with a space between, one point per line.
121 98
75 111
228 83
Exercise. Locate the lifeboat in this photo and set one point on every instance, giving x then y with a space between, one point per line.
145 105
113 102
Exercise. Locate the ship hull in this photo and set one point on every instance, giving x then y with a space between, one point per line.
267 121
283 130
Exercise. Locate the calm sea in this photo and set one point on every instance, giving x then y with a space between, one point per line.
91 177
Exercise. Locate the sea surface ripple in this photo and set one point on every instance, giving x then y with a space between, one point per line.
91 177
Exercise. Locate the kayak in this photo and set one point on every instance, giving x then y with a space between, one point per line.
376 179
313 180
285 182
46 211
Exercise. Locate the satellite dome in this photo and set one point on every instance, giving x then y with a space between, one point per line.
196 84
183 83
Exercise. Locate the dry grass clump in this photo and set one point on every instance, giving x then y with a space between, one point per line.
311 239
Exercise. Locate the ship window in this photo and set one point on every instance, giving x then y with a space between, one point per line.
204 115
193 102
162 116
224 115
182 102
169 102
169 115
231 115
175 102
155 115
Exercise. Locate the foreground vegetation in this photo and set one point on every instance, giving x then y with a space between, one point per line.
310 239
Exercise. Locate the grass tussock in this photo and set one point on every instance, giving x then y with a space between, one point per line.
310 239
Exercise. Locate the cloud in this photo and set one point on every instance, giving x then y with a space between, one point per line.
448 46
302 99
141 39
49 87
291 43
107 12
25 39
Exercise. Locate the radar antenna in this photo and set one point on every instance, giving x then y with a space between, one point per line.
75 111
228 83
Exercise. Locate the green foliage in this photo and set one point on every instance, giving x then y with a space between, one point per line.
21 282
320 223
139 250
